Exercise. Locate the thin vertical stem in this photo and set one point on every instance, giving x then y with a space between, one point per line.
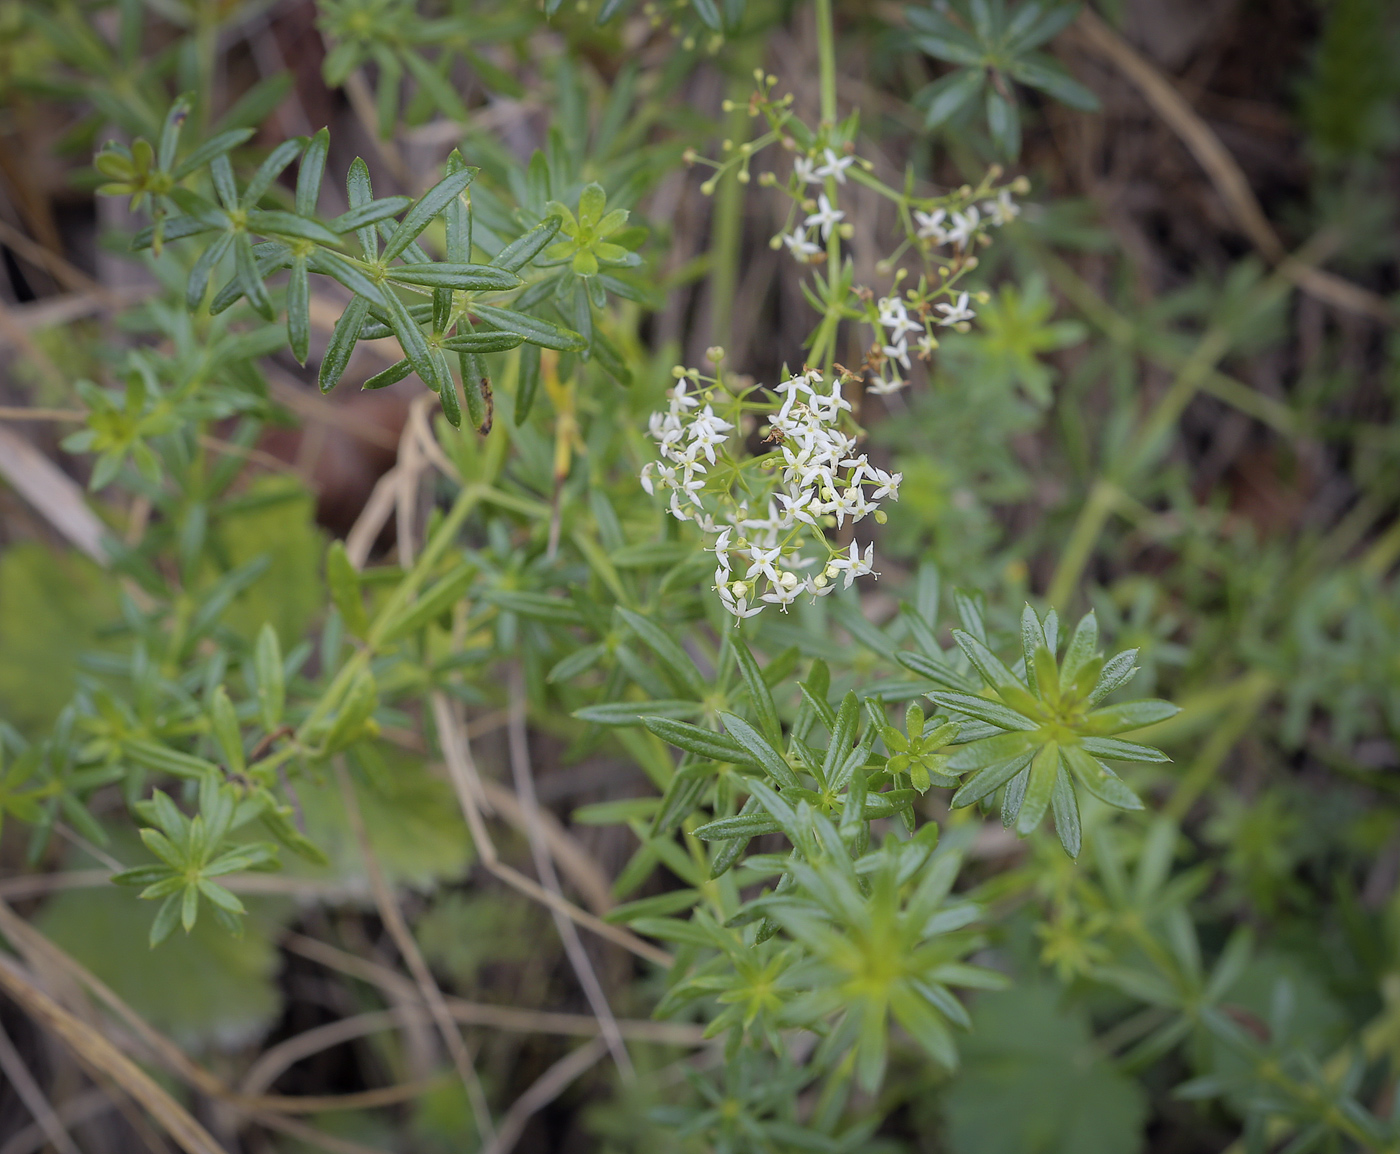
826 59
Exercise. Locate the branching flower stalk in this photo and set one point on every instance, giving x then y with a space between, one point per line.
766 517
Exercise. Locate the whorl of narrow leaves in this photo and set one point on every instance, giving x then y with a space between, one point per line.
431 307
1035 733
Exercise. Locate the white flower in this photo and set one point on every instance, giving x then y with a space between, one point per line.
895 317
783 595
825 217
964 226
931 225
853 564
884 386
835 165
888 484
802 169
926 344
763 561
820 479
955 312
897 352
801 248
1003 210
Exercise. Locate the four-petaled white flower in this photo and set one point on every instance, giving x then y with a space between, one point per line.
931 225
802 249
826 217
964 226
835 165
818 481
899 351
802 169
958 311
1003 210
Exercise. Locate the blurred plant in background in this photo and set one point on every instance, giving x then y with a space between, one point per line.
456 788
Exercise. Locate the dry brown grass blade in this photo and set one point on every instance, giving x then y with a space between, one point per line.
393 919
1224 172
29 1092
467 783
68 275
518 741
275 1060
372 519
97 1052
575 861
313 1137
543 1091
53 493
74 1112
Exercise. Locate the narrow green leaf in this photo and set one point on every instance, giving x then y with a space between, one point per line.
360 194
1044 772
1066 810
249 282
429 205
760 696
701 742
468 277
768 758
342 343
534 330
267 666
528 382
521 252
390 376
299 310
676 660
311 172
344 582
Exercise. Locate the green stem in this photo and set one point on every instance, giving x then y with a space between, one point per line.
826 59
729 208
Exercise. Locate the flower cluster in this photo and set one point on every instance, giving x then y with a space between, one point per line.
769 543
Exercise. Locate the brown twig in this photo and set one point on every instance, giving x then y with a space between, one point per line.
518 741
95 1050
543 1091
392 917
44 1115
1224 172
470 796
77 1110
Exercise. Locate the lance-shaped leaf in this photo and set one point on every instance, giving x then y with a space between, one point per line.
767 758
468 277
273 222
271 169
368 214
342 343
984 709
299 310
521 252
491 342
216 145
534 330
701 742
390 376
429 205
311 172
